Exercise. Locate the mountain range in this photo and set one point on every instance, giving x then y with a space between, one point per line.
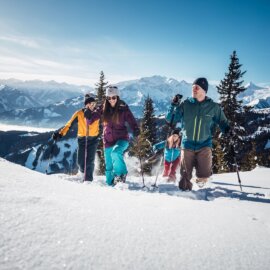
51 104
16 94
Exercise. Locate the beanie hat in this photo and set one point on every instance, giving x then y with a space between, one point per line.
112 91
88 99
176 131
202 82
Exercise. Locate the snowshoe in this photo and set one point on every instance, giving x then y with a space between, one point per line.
201 182
119 179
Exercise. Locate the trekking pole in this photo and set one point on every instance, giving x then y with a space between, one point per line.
142 172
162 159
236 166
85 149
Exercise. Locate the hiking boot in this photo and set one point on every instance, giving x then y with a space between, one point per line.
185 185
201 182
119 178
171 178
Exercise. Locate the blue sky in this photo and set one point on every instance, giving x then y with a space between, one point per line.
73 41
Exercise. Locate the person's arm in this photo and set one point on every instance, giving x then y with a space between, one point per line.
92 116
132 122
222 121
175 109
66 128
158 146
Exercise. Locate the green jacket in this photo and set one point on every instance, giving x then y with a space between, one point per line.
198 121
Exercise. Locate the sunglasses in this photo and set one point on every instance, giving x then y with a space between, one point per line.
113 98
195 87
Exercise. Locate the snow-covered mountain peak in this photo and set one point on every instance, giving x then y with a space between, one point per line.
253 86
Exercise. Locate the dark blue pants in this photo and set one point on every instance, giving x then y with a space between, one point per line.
92 143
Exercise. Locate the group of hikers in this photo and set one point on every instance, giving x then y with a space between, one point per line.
190 146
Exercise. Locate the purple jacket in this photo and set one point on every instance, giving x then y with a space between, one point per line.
113 132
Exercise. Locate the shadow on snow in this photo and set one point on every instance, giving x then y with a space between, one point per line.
207 193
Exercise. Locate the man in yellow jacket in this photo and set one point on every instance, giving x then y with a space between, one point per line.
87 137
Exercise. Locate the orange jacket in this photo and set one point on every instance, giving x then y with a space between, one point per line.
93 129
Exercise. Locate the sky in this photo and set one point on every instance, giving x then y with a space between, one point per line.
73 40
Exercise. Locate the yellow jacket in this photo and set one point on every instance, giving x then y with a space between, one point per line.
93 129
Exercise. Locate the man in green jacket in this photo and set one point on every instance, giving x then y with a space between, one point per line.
198 116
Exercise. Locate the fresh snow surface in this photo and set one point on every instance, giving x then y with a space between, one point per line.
5 127
56 222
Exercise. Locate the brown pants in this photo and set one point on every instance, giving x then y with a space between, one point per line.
201 160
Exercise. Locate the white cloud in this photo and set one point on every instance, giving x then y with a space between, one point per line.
74 62
20 40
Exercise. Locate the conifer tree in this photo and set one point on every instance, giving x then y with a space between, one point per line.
148 120
218 156
101 95
250 160
101 88
142 148
229 88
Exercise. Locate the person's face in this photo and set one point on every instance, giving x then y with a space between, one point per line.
175 137
198 92
112 100
91 106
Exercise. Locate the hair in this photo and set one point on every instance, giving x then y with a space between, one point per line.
173 144
111 115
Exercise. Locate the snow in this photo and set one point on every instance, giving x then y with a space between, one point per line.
5 127
48 222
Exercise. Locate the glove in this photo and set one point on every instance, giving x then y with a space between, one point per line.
136 132
56 135
88 114
176 99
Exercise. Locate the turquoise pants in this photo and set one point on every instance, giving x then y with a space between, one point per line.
114 160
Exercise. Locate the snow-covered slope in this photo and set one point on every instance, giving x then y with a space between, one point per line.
48 222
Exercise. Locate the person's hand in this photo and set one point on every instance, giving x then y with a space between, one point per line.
88 114
56 135
177 98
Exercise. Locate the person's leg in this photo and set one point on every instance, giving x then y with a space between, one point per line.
81 154
174 166
91 153
186 167
203 165
108 165
117 154
166 168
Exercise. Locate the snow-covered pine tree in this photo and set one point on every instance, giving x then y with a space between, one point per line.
142 148
229 88
148 120
101 90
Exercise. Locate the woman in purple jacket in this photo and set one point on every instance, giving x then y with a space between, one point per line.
116 114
